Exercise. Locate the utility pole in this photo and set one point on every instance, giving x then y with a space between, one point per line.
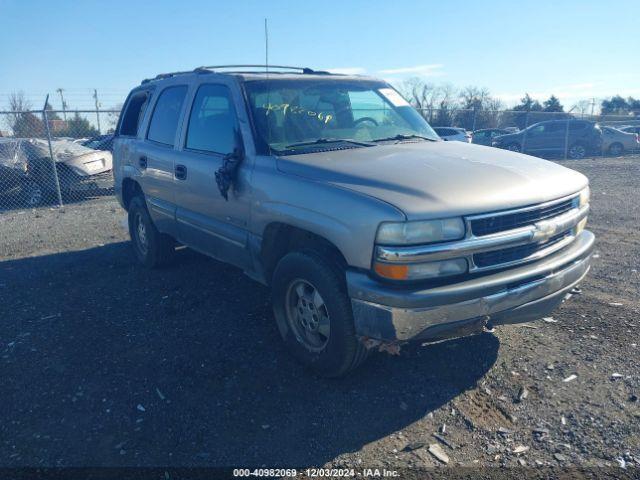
95 97
593 105
64 104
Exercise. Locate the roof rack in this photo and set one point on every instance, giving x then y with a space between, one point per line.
238 69
304 70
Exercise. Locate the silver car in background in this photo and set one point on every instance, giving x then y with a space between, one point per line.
453 134
617 142
26 166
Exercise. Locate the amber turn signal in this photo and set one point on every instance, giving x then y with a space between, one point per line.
394 272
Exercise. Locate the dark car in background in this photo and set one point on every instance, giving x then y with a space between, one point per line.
578 138
485 136
100 142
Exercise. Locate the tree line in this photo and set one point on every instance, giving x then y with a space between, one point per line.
474 108
24 123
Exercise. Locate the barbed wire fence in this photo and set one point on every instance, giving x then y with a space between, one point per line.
57 156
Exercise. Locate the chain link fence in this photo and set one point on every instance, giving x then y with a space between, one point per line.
52 158
56 157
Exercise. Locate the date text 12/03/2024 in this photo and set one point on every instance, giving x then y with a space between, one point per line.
316 472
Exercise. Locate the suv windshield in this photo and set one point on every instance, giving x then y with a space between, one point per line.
295 116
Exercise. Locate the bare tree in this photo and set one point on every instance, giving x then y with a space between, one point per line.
422 95
473 97
582 107
17 103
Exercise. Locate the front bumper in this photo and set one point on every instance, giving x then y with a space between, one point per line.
515 295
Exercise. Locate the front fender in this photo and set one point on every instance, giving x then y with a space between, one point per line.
347 219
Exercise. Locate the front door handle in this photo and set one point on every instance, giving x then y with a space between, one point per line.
181 172
142 161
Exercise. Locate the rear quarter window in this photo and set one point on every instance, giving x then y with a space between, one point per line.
133 114
166 115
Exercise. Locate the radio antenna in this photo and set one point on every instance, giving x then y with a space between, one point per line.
266 46
266 67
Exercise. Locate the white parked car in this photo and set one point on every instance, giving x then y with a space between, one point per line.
616 142
452 134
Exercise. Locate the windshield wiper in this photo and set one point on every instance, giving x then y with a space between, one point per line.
321 141
402 136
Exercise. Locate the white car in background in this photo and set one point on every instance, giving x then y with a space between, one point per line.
630 129
453 134
616 142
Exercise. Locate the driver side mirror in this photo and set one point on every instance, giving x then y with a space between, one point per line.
227 173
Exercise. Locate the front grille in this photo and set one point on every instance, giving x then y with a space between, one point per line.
508 221
512 254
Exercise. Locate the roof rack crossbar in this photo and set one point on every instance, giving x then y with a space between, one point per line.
224 67
214 68
160 76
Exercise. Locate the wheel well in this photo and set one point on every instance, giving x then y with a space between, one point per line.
280 239
130 188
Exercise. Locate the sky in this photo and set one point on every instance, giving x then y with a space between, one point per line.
575 49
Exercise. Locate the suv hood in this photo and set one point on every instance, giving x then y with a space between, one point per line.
438 179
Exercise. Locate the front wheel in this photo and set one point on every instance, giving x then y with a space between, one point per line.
313 313
33 194
152 248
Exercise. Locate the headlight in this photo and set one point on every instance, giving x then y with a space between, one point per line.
585 194
419 271
583 200
413 233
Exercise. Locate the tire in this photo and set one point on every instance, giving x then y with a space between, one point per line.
577 151
616 149
330 347
33 194
152 248
514 147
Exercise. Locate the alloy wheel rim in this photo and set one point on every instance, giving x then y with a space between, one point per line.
141 234
577 151
35 196
307 315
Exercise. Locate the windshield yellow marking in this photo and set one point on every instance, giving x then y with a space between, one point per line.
296 110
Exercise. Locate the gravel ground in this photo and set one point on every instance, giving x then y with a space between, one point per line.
106 364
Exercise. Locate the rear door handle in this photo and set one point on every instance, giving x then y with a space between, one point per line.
181 172
142 161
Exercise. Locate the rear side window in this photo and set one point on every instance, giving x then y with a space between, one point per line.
134 113
555 127
166 115
575 126
212 122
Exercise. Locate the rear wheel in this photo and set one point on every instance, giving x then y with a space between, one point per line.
577 151
514 147
152 248
616 149
313 313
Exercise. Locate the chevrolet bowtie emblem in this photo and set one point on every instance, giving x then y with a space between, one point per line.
544 231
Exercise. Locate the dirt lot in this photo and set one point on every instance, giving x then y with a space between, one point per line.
105 363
